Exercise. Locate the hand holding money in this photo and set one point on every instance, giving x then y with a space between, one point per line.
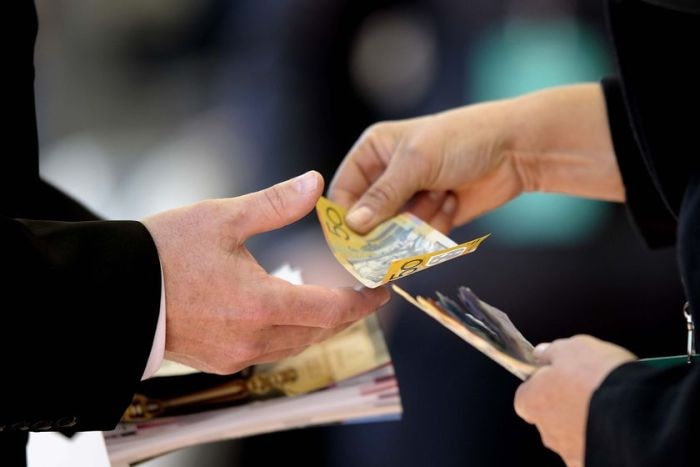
453 166
446 168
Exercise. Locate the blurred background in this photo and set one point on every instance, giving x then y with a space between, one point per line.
143 106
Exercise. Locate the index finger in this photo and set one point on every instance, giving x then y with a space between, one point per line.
317 306
358 171
364 164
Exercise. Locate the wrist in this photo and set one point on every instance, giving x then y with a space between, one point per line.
558 141
518 141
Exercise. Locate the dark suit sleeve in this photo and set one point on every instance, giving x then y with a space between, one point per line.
654 221
34 198
79 309
655 422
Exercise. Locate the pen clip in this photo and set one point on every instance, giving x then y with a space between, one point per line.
690 347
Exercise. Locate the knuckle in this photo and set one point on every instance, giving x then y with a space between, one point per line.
381 194
329 319
331 316
530 398
520 402
547 441
276 200
557 344
583 338
413 150
521 410
415 153
374 130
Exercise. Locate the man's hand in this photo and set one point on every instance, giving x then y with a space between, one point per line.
557 396
453 166
224 312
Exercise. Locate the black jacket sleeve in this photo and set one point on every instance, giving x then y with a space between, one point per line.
79 298
80 308
654 221
642 416
645 417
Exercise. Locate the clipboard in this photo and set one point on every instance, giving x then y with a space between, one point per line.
668 362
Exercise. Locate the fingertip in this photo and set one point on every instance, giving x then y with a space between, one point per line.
539 351
384 295
449 206
379 294
308 183
436 195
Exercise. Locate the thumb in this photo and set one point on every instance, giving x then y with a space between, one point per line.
383 199
280 204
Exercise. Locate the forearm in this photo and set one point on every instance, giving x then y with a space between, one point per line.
559 141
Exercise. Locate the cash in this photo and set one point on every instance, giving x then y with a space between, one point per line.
396 248
481 325
358 349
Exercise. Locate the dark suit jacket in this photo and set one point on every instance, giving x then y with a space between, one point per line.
642 416
80 298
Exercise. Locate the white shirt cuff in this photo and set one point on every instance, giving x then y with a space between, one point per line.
158 348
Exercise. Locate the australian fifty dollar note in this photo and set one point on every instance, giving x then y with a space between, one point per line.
396 248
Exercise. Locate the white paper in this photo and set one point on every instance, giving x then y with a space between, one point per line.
50 449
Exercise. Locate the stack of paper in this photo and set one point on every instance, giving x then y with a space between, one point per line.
372 396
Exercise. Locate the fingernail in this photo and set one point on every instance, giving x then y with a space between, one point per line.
362 288
450 205
359 217
540 349
306 183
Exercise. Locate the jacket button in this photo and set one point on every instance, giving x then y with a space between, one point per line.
41 425
66 422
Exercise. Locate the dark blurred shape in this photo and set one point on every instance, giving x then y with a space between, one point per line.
393 60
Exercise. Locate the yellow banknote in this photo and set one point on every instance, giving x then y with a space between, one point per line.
396 248
358 349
